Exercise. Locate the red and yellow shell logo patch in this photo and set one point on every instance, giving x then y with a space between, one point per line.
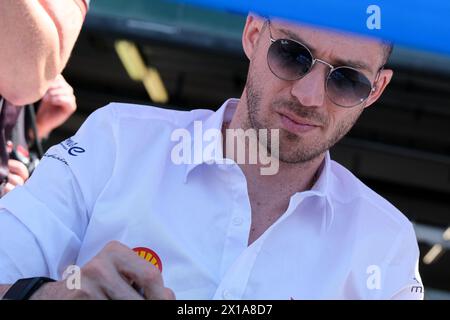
150 256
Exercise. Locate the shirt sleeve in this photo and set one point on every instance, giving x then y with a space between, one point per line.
42 223
403 280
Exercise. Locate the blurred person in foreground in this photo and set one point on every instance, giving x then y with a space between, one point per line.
37 37
156 204
25 130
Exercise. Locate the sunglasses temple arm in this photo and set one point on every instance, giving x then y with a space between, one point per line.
377 78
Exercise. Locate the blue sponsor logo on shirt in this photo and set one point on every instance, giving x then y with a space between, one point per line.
74 151
72 147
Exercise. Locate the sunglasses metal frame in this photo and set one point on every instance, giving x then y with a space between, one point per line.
330 66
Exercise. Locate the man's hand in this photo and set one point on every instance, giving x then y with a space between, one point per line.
57 105
117 273
17 176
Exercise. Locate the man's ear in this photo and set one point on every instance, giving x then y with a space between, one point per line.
383 80
250 36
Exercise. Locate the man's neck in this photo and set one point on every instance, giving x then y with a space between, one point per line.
270 194
290 177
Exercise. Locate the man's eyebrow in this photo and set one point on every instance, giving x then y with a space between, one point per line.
357 64
296 37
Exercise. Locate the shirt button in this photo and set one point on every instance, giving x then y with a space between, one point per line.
227 295
237 221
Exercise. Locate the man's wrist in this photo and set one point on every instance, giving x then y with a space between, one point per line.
45 292
24 288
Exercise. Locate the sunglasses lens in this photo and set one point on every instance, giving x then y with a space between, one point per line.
288 59
348 87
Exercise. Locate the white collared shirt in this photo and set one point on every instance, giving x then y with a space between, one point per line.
114 180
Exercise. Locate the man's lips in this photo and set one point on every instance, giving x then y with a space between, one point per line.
296 124
298 120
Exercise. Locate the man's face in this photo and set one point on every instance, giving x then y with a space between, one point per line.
309 122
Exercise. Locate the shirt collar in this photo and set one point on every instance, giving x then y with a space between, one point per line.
321 187
214 121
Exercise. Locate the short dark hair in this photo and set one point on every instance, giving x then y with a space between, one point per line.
388 48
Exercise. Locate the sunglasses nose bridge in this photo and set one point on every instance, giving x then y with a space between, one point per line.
323 62
330 67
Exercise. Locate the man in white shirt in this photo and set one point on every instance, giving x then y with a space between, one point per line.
166 185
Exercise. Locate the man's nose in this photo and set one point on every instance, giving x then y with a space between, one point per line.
310 90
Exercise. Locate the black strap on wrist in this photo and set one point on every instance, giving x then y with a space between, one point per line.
23 289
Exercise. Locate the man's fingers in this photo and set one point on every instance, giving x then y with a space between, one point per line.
118 288
143 274
59 82
119 273
67 102
121 290
170 295
18 168
8 187
101 279
15 180
60 91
